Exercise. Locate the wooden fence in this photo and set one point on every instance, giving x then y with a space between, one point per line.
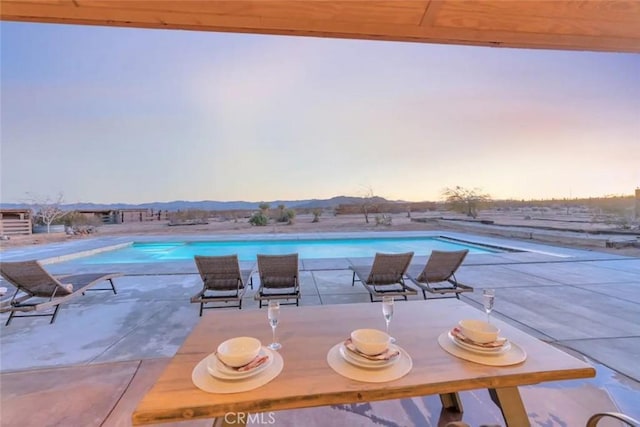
15 227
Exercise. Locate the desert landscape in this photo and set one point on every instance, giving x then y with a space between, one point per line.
564 227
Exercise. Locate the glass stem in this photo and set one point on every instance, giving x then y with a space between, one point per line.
273 332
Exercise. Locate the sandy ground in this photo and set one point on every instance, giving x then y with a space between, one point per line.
331 223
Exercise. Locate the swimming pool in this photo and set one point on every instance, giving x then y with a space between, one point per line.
306 248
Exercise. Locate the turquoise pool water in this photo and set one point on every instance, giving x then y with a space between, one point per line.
306 248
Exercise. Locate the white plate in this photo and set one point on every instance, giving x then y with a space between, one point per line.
206 382
234 372
398 369
513 356
480 350
348 354
218 370
363 362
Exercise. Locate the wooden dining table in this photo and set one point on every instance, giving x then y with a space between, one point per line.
307 333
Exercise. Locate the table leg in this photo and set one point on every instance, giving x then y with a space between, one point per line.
451 401
510 404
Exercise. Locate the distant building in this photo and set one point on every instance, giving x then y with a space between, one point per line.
141 215
119 216
15 222
106 216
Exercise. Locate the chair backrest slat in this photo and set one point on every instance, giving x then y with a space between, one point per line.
220 272
441 265
278 271
389 268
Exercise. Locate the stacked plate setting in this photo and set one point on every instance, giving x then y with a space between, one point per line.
352 356
497 347
219 370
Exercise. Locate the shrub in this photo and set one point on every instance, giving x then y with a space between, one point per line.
316 214
77 223
285 215
282 214
258 219
290 214
383 219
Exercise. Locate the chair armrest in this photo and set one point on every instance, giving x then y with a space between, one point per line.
594 419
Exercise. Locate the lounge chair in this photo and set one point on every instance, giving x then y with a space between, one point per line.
279 278
438 276
222 279
385 276
37 290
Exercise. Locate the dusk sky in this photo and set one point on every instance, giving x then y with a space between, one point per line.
111 115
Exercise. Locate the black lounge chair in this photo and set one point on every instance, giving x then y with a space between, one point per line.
279 278
385 276
438 275
223 281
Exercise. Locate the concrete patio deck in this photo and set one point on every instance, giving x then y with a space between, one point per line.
93 365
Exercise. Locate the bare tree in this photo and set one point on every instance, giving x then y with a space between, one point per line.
367 203
47 209
465 200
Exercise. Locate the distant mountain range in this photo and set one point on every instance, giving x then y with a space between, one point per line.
211 205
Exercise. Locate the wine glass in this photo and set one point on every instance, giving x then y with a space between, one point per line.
387 312
273 313
488 297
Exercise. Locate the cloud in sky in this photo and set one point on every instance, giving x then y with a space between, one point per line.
129 115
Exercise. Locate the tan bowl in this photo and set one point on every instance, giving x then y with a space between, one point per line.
238 351
370 341
478 330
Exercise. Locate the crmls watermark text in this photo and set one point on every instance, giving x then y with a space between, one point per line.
242 418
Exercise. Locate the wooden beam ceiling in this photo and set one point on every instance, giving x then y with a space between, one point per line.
597 25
